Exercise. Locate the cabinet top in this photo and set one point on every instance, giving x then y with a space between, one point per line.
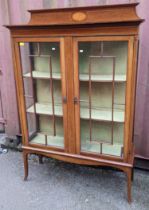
107 14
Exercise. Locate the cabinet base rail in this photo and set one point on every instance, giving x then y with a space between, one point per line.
82 160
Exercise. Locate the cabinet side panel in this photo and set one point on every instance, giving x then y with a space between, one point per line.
129 100
19 86
132 116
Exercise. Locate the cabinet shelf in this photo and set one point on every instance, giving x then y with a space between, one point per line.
103 78
57 141
83 77
107 149
43 75
103 115
46 109
98 115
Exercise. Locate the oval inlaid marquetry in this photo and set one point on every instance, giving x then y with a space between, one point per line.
79 16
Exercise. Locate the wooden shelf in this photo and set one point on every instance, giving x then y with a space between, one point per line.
93 147
101 115
46 109
57 141
83 77
43 75
103 78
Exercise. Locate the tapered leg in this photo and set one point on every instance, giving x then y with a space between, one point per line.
132 175
129 176
25 157
40 159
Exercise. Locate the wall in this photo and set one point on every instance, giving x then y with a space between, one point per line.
7 78
15 12
141 131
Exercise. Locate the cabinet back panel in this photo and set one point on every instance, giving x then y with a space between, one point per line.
44 94
101 95
45 125
101 132
103 65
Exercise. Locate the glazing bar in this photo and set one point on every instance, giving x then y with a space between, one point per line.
46 140
113 78
101 148
52 96
101 49
38 49
90 100
33 92
122 151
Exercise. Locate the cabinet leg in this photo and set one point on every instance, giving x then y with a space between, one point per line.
40 159
129 177
25 157
132 175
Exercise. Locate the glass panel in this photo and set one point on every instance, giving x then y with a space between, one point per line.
42 89
102 76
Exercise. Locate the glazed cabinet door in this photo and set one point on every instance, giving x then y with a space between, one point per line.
42 79
102 79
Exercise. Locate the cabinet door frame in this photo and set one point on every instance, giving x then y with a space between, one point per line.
129 97
20 87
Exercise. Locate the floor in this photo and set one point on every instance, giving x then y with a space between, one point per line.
56 185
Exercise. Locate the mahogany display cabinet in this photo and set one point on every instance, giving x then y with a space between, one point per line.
75 73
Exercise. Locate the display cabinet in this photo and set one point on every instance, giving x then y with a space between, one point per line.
75 72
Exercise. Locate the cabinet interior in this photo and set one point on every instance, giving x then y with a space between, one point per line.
102 86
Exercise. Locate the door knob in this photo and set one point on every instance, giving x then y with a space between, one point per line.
75 100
